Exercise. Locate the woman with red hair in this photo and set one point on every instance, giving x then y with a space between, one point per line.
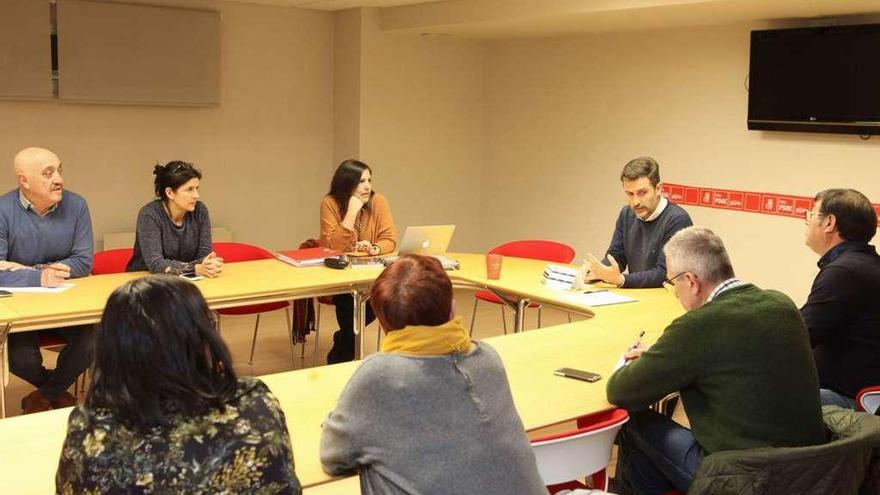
432 412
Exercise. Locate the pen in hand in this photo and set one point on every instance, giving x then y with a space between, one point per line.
635 346
638 341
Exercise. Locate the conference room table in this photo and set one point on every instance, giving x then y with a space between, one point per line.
30 445
263 281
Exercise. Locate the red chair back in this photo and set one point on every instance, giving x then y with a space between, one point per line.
233 252
537 250
111 261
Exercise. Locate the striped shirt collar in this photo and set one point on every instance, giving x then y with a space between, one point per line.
723 286
657 211
27 205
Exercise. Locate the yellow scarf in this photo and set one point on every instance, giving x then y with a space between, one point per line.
419 340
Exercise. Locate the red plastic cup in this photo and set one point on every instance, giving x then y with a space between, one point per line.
493 266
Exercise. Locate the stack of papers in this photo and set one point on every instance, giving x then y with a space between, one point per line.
366 262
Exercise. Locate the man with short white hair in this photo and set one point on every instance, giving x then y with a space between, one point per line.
740 358
45 240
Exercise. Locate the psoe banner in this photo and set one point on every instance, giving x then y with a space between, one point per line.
784 205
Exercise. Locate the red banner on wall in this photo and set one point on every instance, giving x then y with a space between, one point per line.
756 202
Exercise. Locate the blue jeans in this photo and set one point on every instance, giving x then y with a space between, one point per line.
831 398
655 455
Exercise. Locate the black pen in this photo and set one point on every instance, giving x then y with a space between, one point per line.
595 291
638 341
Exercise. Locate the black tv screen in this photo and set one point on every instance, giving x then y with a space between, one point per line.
816 79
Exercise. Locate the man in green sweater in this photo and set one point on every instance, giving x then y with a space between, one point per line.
741 360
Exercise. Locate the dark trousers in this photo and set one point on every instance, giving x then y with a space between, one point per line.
655 455
343 339
26 362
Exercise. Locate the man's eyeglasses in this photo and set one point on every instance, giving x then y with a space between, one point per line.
809 215
669 283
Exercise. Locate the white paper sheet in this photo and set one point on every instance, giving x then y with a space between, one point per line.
39 290
599 298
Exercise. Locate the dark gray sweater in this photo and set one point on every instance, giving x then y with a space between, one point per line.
638 245
431 425
161 246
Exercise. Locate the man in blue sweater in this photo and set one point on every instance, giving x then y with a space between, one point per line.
643 227
44 241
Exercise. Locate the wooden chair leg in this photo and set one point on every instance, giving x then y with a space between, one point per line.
503 319
254 341
317 333
539 316
569 317
290 336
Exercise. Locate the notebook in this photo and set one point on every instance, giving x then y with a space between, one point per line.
306 257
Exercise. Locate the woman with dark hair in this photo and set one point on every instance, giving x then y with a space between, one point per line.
174 231
165 412
354 218
432 412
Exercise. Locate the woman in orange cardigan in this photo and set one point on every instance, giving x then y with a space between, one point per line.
354 218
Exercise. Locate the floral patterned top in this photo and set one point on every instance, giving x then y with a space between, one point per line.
243 448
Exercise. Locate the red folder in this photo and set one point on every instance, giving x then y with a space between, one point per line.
306 257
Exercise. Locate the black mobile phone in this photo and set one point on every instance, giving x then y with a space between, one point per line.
337 262
191 276
587 376
5 293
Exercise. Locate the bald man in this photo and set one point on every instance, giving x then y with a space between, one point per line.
45 238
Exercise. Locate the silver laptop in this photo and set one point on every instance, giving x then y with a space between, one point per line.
428 240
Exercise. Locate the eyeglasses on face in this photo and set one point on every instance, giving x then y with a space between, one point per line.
809 215
669 283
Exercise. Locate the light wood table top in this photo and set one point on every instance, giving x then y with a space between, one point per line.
541 398
245 282
520 277
251 282
31 445
7 314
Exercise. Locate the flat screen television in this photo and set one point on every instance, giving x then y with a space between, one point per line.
824 79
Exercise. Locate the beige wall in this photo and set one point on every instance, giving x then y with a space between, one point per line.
346 85
563 115
421 127
264 150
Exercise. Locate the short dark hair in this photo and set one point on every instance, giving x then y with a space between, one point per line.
345 180
644 166
414 290
856 217
173 174
158 353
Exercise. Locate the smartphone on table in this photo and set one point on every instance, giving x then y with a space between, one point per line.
191 276
587 376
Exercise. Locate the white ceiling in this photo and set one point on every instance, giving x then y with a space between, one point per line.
538 18
337 4
534 18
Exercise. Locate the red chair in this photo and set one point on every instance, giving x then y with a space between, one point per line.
555 252
564 458
111 261
233 252
868 399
